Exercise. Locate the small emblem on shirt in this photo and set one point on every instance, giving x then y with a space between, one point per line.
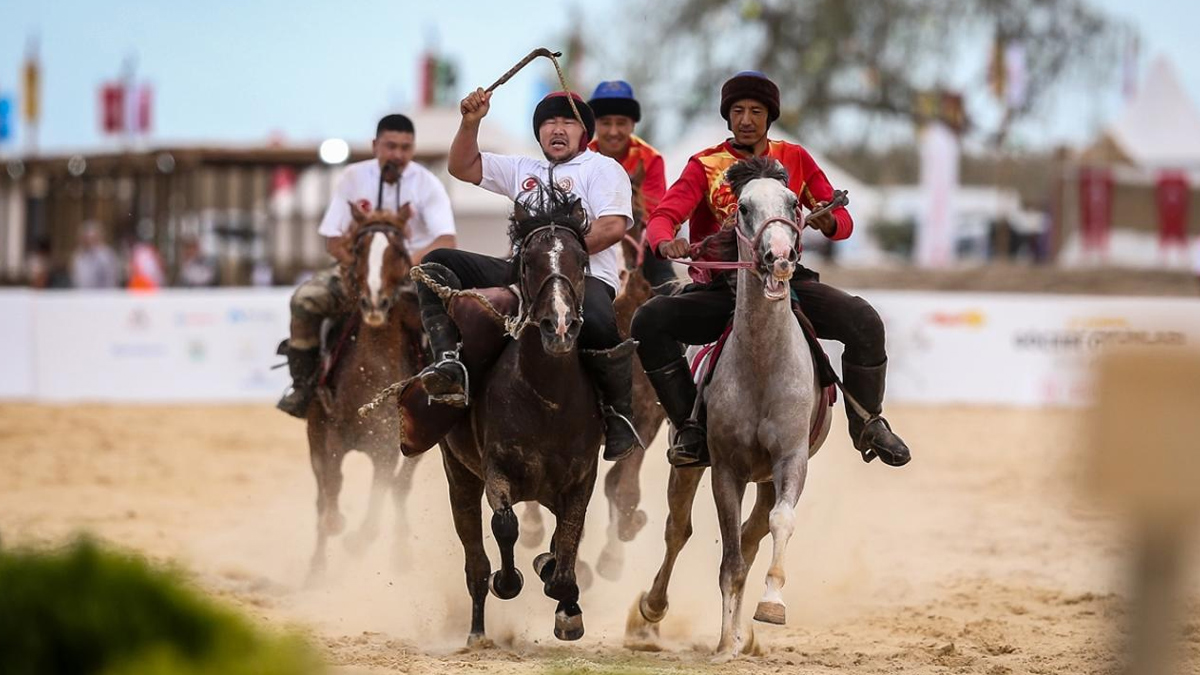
531 182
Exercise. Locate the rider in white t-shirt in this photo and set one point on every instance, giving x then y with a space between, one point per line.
387 181
606 195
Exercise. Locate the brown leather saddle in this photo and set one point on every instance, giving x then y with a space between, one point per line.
480 315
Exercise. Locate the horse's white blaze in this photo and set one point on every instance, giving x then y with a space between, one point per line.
780 241
379 244
561 308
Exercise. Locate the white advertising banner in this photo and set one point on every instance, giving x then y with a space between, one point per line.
1026 350
219 345
16 344
210 345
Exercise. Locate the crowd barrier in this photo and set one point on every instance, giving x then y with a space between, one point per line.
219 345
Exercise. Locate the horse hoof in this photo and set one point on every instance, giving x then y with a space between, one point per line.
629 527
478 642
648 613
506 591
640 635
544 565
771 612
568 623
584 578
610 565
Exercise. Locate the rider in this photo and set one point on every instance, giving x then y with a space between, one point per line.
604 190
617 114
698 315
385 182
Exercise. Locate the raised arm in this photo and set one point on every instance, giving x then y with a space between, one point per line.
465 162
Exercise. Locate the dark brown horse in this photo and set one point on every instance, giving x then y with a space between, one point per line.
377 344
533 429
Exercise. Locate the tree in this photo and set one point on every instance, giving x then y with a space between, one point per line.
870 58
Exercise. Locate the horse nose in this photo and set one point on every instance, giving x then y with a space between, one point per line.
384 303
364 304
769 258
783 267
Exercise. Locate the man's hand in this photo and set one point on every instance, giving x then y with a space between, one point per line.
824 222
475 106
676 248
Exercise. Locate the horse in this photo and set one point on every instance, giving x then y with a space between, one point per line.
621 483
766 417
377 343
533 429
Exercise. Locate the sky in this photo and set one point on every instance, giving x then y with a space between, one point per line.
240 71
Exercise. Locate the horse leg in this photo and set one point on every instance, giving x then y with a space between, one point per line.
401 487
625 519
789 475
465 491
560 582
641 626
534 528
728 490
326 460
383 468
507 582
756 526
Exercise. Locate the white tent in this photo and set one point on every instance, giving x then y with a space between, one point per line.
1160 127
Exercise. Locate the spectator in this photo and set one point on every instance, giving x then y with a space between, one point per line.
41 270
145 266
195 269
94 264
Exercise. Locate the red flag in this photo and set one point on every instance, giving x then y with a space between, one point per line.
1172 193
1095 205
112 108
143 105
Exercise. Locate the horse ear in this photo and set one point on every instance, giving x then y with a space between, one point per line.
358 214
519 211
578 213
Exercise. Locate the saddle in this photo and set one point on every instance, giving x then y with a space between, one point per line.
480 316
704 363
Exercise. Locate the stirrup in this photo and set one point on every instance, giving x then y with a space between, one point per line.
608 411
869 454
675 449
450 358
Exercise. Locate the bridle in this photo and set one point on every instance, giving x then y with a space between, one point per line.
526 303
385 229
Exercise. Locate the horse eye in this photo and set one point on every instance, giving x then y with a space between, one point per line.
743 209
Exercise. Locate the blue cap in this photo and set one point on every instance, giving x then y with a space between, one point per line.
613 89
615 97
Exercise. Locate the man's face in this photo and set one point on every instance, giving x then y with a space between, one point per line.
748 121
612 134
396 147
560 137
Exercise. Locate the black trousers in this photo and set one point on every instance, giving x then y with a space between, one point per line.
700 312
475 270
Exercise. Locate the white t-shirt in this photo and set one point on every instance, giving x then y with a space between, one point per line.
598 181
359 183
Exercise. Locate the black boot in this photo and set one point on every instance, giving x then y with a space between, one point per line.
612 373
677 394
302 364
445 380
873 437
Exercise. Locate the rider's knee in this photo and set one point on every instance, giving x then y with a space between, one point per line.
648 320
310 301
865 321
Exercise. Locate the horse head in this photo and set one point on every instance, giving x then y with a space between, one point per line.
547 232
380 262
766 228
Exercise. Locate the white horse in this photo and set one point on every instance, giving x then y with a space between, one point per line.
765 417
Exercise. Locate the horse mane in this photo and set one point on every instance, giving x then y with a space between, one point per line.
544 204
753 168
723 244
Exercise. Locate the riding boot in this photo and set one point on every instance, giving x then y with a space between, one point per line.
612 373
445 380
677 394
873 437
302 364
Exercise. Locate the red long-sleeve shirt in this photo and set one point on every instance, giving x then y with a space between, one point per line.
642 157
703 197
